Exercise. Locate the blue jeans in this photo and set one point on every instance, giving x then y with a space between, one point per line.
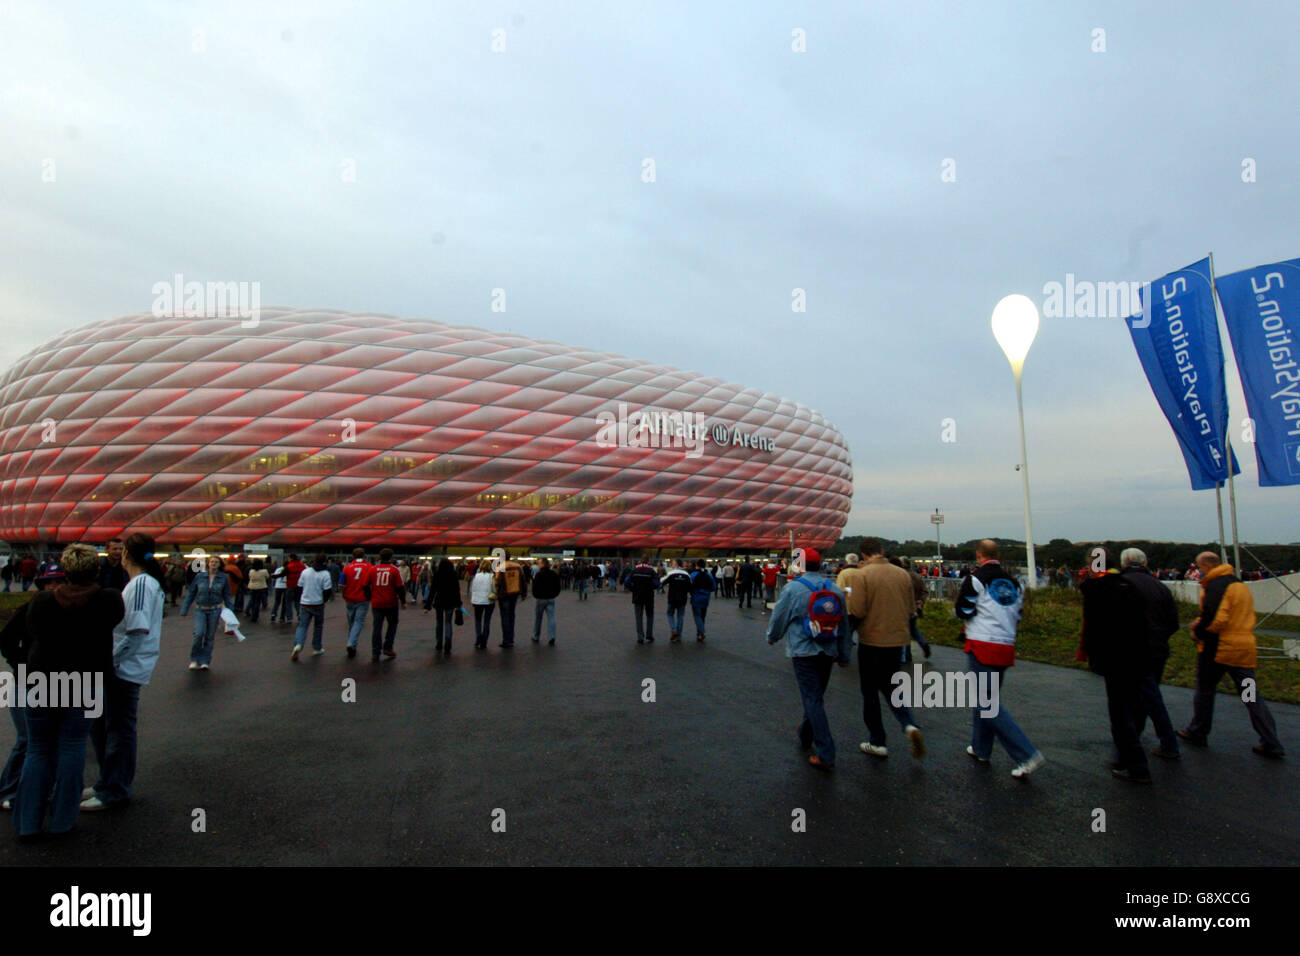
114 740
698 611
646 611
544 606
14 765
205 635
508 619
56 755
313 614
676 618
813 675
356 620
1003 726
582 588
280 594
482 623
443 624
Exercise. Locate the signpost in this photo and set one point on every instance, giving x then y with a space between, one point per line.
936 519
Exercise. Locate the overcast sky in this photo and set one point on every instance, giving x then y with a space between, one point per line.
214 140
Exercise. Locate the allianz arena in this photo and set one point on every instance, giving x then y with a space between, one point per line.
339 429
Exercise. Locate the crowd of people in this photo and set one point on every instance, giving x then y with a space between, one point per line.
90 616
104 615
1127 622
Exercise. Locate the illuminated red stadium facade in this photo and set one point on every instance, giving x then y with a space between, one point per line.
340 429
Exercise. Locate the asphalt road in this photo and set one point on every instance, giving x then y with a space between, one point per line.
586 772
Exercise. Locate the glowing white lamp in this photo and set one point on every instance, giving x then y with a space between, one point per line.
1015 323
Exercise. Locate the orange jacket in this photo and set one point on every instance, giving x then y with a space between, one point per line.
1234 621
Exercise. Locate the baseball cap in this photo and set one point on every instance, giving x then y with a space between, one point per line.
812 556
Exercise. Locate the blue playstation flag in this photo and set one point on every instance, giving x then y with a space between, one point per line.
1262 309
1177 340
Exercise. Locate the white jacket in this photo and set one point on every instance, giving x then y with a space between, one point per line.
480 590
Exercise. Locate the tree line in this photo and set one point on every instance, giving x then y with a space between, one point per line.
1178 555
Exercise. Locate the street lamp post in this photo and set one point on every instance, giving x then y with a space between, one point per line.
1015 323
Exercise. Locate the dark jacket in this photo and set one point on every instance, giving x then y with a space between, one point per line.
14 639
1114 626
111 576
702 587
748 574
644 583
546 584
1161 611
70 627
445 593
678 585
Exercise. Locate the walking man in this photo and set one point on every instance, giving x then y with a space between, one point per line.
546 588
356 596
747 581
1225 644
990 603
316 585
1114 642
702 588
293 569
880 604
386 592
813 646
1160 622
510 591
644 584
677 586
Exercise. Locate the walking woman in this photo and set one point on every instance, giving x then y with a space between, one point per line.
136 643
208 592
70 626
483 595
426 580
257 586
444 597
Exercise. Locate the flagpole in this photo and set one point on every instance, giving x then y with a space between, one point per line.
1218 501
1227 435
1232 510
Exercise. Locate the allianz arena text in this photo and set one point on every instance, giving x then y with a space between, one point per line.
340 429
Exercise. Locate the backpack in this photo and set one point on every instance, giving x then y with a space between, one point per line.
825 612
510 584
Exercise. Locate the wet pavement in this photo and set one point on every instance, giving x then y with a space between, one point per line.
557 745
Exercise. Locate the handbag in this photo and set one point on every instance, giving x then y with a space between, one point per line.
460 616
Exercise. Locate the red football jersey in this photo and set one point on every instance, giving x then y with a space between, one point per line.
355 578
386 588
291 572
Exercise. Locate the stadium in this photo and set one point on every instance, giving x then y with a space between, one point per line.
331 429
